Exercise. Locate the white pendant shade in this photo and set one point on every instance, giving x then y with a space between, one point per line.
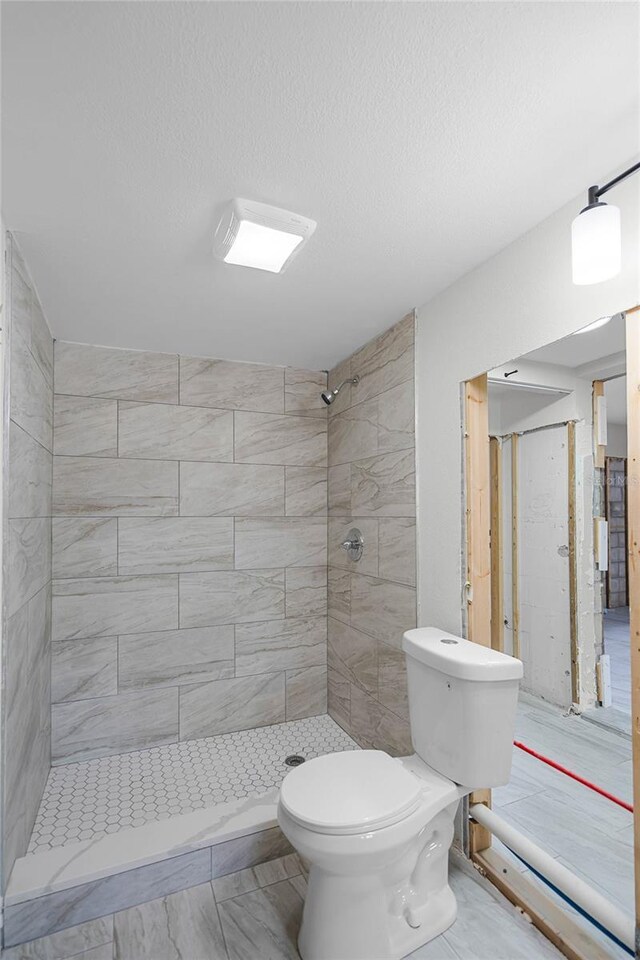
595 236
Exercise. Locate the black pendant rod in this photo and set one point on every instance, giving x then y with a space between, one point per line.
596 192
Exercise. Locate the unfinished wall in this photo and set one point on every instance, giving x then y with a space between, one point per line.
519 300
189 548
616 506
26 581
372 487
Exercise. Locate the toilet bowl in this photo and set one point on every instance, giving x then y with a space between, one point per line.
375 830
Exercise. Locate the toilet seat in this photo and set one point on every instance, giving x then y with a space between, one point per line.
350 792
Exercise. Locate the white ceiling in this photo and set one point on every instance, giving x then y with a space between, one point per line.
423 137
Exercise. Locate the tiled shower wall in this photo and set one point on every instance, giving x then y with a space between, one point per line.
372 487
26 614
189 548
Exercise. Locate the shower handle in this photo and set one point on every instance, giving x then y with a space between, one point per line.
354 544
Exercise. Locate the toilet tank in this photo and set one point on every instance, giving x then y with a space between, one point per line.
462 706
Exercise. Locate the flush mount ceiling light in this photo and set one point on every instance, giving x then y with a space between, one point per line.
252 234
595 236
600 322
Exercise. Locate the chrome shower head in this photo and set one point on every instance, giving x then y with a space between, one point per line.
329 395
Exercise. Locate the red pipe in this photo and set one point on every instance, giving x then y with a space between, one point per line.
574 776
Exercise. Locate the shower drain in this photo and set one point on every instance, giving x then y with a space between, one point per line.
294 760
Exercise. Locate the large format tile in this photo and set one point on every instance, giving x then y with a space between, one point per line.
353 654
276 645
248 850
288 440
386 361
181 926
85 427
82 669
384 486
338 530
66 943
174 545
107 606
238 596
382 609
85 547
396 418
88 371
339 594
397 549
374 726
56 911
306 491
29 479
31 394
227 705
306 692
353 434
263 923
231 489
27 319
105 486
339 490
83 729
157 431
302 389
306 591
175 657
232 386
29 560
392 680
339 698
286 542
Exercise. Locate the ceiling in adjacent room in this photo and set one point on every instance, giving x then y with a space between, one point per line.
422 137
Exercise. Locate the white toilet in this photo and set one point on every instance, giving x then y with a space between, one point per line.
377 831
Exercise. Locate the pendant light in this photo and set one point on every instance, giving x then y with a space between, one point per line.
595 236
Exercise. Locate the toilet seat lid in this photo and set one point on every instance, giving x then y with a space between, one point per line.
349 792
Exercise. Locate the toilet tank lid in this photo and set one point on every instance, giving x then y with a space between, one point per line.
460 658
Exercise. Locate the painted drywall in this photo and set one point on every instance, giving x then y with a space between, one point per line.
189 548
616 440
26 574
517 301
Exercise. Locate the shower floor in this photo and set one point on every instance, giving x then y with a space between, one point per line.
89 799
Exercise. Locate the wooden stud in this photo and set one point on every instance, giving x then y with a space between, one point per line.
633 507
573 569
515 564
478 522
599 449
497 571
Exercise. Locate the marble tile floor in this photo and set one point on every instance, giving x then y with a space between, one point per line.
616 644
582 830
255 915
93 798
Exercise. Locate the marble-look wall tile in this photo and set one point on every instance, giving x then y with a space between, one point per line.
231 489
386 361
28 566
82 729
85 547
157 431
17 728
247 851
396 418
306 491
78 941
82 669
277 645
175 657
27 319
29 478
56 911
306 591
107 606
339 594
302 389
287 440
306 692
375 727
397 549
231 386
231 597
286 542
87 371
348 394
392 680
41 344
222 706
382 609
353 654
174 545
85 427
339 698
339 489
384 486
338 557
95 487
31 399
354 433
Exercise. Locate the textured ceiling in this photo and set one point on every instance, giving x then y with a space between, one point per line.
423 137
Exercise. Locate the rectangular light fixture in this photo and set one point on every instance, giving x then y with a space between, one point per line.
252 234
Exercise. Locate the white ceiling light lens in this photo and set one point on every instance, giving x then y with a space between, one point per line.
600 322
595 236
252 234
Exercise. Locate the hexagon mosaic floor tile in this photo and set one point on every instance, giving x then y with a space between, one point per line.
89 799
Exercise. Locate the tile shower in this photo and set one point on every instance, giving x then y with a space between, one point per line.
181 516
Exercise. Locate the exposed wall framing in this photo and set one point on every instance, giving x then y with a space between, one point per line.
515 563
573 569
497 565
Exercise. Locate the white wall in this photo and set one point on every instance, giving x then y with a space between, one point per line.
616 440
516 302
